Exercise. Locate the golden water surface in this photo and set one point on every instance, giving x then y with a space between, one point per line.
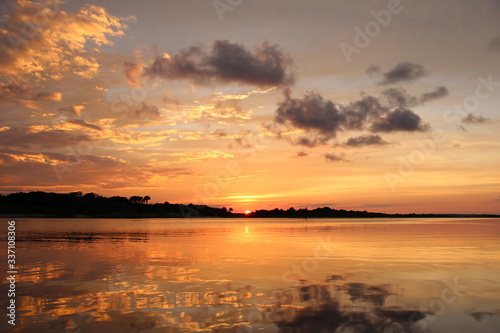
256 275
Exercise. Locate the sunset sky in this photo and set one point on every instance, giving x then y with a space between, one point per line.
387 106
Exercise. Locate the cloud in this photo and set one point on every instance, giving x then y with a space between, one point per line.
302 153
472 119
41 41
373 70
101 161
321 120
46 96
147 112
437 93
83 123
400 120
133 72
365 140
403 72
311 113
398 97
494 45
20 94
226 62
227 109
12 91
331 157
73 110
29 137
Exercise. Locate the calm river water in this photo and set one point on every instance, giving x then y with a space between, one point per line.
255 275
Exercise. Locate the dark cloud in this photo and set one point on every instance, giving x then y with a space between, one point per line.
438 92
227 62
9 91
83 123
365 140
24 137
73 110
86 160
48 96
398 97
312 112
403 72
373 70
220 133
362 111
480 315
400 120
147 112
331 157
302 153
323 119
310 141
494 45
472 119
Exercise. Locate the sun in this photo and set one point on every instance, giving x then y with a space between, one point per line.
247 212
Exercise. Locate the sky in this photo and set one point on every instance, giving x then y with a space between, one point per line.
386 106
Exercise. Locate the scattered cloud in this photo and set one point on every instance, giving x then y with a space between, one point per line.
321 120
400 120
133 73
30 137
365 140
226 62
494 45
302 153
46 96
472 119
373 70
438 92
147 112
331 157
311 113
54 45
73 110
12 91
398 97
83 123
403 72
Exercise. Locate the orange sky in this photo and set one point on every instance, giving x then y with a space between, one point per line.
342 104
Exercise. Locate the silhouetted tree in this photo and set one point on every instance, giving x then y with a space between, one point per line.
146 199
135 199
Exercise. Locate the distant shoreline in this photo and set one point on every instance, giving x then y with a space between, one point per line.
244 217
93 206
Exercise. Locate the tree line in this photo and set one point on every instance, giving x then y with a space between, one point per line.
77 204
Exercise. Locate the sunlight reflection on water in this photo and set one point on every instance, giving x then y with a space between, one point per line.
249 275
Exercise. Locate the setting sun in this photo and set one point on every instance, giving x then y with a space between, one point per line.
247 212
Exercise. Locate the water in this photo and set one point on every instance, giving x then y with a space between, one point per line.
249 275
